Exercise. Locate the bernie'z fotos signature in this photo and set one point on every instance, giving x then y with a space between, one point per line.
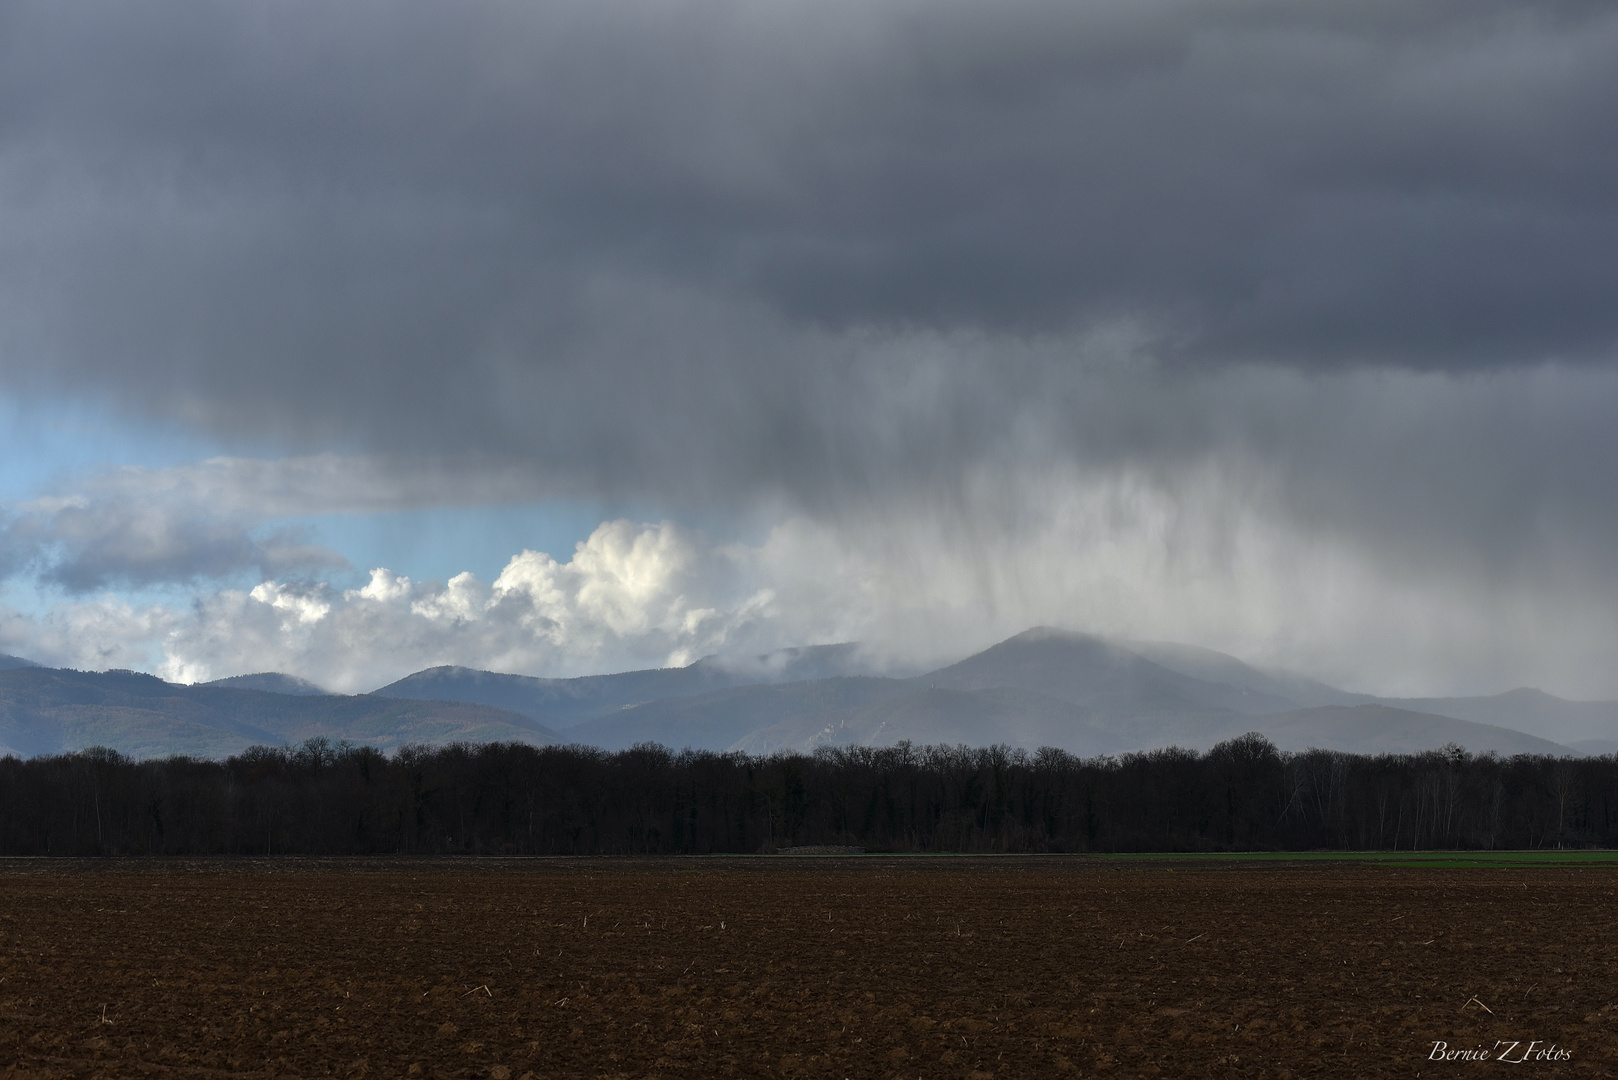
1504 1050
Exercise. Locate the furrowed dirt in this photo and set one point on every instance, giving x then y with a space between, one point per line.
836 967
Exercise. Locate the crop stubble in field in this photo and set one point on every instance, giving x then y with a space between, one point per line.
869 967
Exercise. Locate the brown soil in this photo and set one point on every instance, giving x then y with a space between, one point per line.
857 967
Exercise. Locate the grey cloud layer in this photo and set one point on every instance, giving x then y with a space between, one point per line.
597 234
139 526
84 546
927 275
1206 557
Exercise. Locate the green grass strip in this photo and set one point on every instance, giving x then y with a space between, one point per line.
1454 859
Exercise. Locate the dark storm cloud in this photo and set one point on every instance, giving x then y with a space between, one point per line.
846 253
389 215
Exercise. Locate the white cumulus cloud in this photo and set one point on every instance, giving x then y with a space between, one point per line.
631 595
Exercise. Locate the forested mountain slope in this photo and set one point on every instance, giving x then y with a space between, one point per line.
49 710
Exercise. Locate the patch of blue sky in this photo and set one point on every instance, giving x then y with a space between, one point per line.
425 545
24 594
436 544
48 441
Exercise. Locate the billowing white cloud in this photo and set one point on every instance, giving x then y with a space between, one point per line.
630 596
92 635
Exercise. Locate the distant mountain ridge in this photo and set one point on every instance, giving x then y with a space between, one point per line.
51 711
722 719
1107 677
1044 687
563 703
1535 710
1395 731
1217 667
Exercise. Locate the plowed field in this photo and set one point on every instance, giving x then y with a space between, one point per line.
835 967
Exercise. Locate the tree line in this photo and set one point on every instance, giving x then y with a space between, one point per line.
324 798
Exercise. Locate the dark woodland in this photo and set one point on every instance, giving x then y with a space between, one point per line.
324 798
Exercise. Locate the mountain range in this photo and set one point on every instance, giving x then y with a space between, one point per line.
1082 693
50 710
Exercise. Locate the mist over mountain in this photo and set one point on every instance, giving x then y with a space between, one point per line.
1108 678
1528 710
1210 666
1595 747
11 663
272 682
1379 729
792 664
1047 687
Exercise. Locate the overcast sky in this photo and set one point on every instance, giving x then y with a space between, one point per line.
557 338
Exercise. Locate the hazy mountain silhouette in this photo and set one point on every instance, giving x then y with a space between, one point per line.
1216 667
557 703
1532 711
11 663
798 664
1019 718
1108 678
1379 729
722 719
1048 687
563 703
932 714
1595 747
